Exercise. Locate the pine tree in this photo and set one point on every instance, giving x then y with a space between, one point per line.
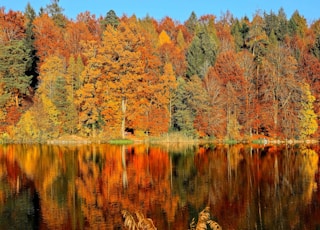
110 19
315 50
29 43
201 54
56 13
74 70
191 23
297 25
276 23
67 110
182 116
14 58
240 31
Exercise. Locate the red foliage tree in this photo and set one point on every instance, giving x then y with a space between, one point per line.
48 37
11 25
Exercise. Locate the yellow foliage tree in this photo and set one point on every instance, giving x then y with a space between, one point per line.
168 80
308 118
52 68
27 127
163 38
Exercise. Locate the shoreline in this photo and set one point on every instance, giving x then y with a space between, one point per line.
170 139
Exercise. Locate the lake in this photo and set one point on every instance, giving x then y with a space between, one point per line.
88 186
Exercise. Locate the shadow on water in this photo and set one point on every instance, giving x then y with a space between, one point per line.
88 186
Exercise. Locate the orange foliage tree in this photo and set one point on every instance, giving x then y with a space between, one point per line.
74 34
232 77
88 95
280 91
48 37
11 25
122 69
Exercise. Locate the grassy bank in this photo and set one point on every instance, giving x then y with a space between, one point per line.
120 141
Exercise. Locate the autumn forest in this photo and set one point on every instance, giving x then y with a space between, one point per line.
106 77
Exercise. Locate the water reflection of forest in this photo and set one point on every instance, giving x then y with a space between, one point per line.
79 187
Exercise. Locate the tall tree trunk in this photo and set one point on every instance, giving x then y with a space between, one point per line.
17 100
123 121
275 116
170 113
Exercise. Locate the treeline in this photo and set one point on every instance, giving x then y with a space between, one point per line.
104 77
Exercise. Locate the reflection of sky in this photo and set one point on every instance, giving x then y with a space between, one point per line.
176 9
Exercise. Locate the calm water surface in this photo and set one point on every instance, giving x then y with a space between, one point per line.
87 186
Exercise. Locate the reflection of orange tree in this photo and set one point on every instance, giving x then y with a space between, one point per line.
17 203
219 183
34 163
312 214
125 179
243 186
287 184
101 179
9 174
265 186
46 166
89 185
3 172
149 182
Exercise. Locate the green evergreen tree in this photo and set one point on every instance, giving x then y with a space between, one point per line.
110 19
297 24
276 24
273 38
73 84
60 94
74 70
4 97
182 116
283 24
201 54
14 58
195 57
315 50
191 23
236 33
29 43
67 110
189 101
240 31
56 13
257 39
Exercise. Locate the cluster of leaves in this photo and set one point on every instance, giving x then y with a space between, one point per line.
204 221
141 223
100 77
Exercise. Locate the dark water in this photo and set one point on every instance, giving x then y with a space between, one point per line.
87 187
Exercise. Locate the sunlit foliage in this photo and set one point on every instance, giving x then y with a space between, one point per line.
108 77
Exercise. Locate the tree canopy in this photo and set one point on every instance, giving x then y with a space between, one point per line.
105 77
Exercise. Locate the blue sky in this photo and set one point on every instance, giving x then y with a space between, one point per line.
178 10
